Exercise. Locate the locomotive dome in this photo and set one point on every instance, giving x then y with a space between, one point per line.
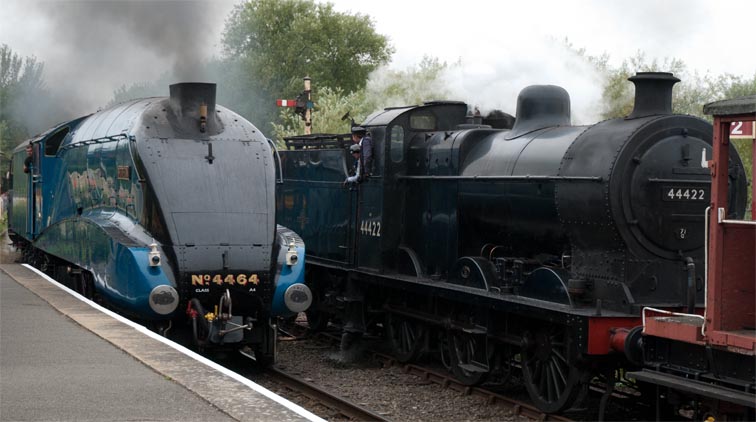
540 106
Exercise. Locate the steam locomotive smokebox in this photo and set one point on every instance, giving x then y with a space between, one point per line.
189 102
541 106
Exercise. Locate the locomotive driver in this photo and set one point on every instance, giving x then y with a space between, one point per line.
362 138
29 160
355 178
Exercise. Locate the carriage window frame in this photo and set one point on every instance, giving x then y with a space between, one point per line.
396 142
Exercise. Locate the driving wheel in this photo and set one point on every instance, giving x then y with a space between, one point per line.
464 348
548 368
407 338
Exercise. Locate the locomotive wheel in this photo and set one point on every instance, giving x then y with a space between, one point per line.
444 349
83 284
550 376
503 363
463 348
317 319
42 262
407 338
88 285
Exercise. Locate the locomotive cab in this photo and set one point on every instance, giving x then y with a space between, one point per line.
27 173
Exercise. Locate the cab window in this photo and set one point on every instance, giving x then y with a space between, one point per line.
53 143
423 120
397 144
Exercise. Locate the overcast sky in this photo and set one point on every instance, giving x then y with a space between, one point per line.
706 34
95 47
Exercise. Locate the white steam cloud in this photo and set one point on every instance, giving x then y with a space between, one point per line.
492 79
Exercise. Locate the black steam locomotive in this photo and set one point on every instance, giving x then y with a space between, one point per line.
533 246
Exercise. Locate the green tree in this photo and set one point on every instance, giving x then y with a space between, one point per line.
271 44
331 107
731 86
619 94
20 79
688 96
413 85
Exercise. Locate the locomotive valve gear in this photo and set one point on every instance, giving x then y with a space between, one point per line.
154 256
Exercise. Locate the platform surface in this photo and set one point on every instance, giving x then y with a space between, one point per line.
62 359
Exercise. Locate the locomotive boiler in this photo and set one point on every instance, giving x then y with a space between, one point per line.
621 201
163 208
530 247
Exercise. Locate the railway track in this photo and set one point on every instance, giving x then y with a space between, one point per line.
340 408
519 408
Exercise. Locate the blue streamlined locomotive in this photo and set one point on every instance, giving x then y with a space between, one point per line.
530 247
163 208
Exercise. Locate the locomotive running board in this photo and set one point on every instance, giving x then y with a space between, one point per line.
696 387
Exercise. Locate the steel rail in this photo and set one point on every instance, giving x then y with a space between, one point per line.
447 381
344 407
518 408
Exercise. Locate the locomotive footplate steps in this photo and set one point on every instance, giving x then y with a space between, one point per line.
103 367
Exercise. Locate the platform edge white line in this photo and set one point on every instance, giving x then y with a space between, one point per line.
254 386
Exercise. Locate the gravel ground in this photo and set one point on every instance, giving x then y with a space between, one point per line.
386 391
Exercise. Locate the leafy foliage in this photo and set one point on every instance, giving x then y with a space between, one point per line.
20 80
271 44
413 85
688 96
385 88
330 109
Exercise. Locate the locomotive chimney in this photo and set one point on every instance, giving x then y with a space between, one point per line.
193 104
653 93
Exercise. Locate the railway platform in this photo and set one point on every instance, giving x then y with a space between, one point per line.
65 358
